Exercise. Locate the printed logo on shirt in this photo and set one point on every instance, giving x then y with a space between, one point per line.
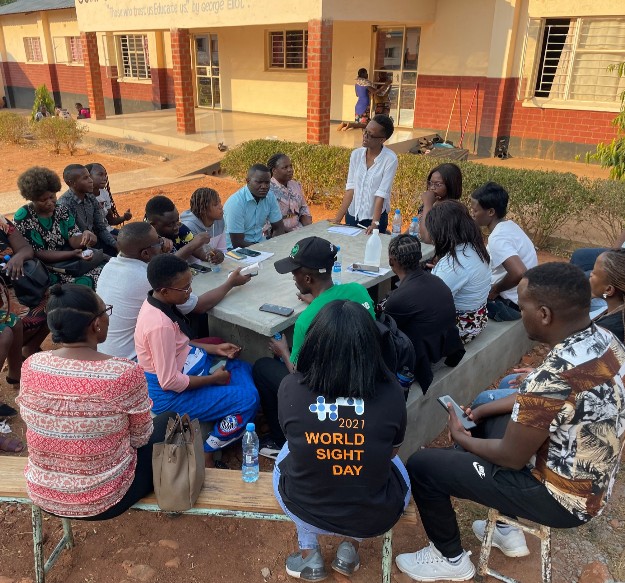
325 410
480 470
229 425
366 305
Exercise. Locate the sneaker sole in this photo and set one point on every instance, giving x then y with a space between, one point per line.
467 577
515 553
343 568
298 575
271 456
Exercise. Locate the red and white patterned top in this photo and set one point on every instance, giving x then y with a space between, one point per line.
85 420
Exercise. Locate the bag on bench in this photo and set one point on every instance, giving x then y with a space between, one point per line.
178 465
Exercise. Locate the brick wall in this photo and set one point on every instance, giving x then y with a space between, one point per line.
496 112
183 80
319 81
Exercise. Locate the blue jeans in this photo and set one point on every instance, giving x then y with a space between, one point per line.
504 390
307 533
502 310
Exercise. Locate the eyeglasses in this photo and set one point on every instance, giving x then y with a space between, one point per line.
181 289
367 134
436 184
107 310
160 243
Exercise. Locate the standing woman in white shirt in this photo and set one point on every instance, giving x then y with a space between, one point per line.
370 178
463 264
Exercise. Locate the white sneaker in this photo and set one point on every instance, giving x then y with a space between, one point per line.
429 565
512 543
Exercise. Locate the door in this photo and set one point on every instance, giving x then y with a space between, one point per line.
207 71
396 59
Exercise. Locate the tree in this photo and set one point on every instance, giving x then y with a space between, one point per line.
612 155
42 97
3 2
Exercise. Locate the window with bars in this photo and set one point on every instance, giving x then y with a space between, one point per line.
135 58
573 57
74 49
32 45
288 49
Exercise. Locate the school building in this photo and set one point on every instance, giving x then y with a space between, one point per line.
533 73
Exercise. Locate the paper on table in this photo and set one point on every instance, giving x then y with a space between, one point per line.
349 231
383 271
250 260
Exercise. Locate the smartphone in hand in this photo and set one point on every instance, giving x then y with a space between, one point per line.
466 422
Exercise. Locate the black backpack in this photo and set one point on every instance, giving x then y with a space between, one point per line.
397 349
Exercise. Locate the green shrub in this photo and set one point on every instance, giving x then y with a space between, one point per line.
58 132
13 127
541 202
606 205
42 97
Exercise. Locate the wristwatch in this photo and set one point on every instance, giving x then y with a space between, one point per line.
376 223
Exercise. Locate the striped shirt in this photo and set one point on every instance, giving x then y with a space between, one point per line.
84 420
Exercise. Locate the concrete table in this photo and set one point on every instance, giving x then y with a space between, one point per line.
237 317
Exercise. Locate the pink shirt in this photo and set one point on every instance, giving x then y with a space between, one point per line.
84 422
162 348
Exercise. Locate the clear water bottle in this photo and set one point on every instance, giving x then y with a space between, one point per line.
396 227
250 454
215 268
337 268
414 227
5 259
278 336
373 250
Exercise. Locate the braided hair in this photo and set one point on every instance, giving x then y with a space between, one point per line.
273 161
406 250
450 225
202 199
614 266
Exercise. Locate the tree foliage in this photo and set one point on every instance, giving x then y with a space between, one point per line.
612 155
42 97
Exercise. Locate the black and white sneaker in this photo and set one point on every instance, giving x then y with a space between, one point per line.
268 447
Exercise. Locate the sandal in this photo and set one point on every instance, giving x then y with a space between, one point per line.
11 444
7 411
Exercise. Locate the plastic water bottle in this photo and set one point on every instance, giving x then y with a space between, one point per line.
414 227
373 250
250 454
6 259
278 336
396 228
405 378
337 268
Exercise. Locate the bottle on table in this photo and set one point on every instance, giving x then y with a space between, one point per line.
396 226
373 250
414 227
250 454
337 267
216 268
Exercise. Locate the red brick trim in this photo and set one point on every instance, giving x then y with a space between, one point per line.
319 81
183 80
92 74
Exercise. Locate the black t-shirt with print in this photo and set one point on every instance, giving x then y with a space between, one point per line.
338 475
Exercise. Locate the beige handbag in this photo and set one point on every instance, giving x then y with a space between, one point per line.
178 465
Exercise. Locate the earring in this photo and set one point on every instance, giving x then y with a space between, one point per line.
98 328
605 296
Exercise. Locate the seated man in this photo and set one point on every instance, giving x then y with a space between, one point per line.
124 284
554 460
79 199
511 251
163 215
249 208
423 307
310 263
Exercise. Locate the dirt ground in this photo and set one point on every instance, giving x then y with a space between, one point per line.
159 548
16 159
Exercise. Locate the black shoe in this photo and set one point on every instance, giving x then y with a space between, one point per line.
268 447
6 411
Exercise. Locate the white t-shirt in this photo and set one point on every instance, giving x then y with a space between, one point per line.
468 278
124 284
508 240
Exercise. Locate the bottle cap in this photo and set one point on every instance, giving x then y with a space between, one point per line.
338 247
7 257
397 212
415 219
250 427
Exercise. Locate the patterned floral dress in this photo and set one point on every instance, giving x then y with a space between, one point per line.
53 234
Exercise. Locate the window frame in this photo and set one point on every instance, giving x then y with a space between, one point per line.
146 77
70 50
28 48
270 66
531 72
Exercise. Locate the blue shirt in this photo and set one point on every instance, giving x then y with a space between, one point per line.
242 214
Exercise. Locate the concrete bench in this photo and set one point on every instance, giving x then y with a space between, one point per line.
498 347
224 494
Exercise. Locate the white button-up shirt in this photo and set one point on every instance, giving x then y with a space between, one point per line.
368 183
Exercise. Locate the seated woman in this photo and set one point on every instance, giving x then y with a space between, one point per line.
463 264
358 487
423 308
206 215
87 414
288 193
50 228
178 370
33 319
444 182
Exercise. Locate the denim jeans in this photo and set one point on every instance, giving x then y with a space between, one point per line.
307 533
502 310
504 390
